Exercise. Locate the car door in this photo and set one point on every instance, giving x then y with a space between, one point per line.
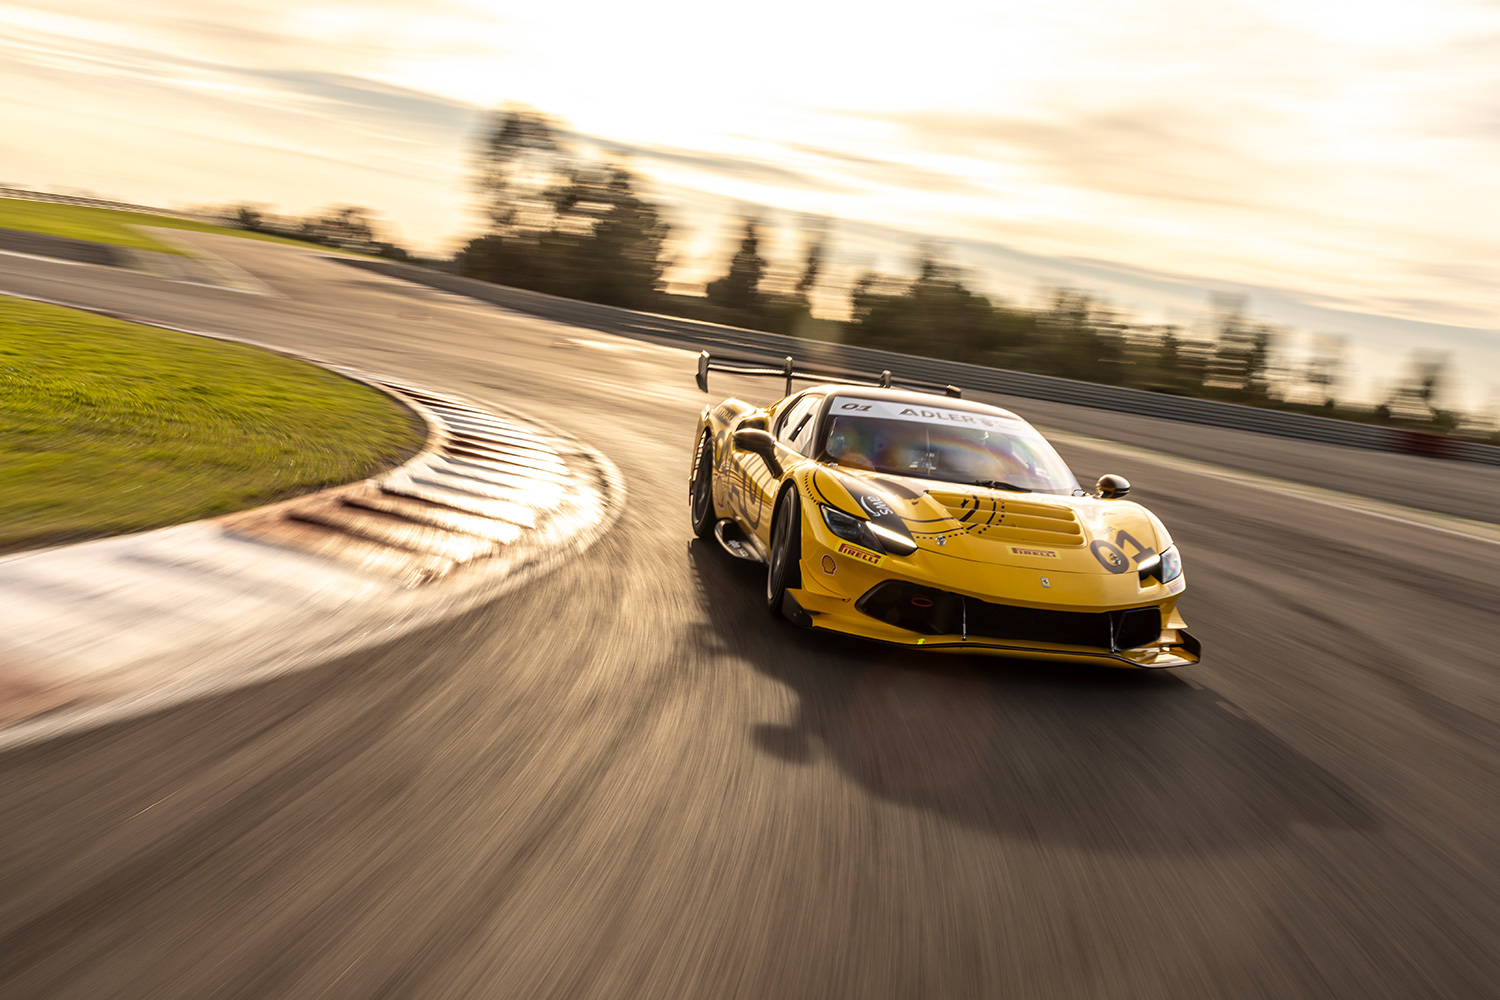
750 485
792 427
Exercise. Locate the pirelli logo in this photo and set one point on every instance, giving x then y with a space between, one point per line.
1021 550
863 555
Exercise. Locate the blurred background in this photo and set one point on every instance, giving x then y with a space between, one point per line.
1283 204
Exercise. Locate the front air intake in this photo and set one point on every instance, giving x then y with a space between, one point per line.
929 611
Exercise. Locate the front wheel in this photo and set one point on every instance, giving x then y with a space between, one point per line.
784 567
701 489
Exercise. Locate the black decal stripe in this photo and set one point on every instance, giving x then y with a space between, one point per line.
904 492
819 488
893 521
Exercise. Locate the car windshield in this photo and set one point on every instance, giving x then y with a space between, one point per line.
951 445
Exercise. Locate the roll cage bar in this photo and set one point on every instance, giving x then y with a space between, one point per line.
789 371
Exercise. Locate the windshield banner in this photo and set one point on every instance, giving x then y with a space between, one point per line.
886 410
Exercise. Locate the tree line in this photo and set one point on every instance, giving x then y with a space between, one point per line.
561 222
344 227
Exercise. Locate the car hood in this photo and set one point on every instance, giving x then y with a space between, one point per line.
1063 533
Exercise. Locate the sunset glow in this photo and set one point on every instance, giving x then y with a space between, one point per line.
1343 156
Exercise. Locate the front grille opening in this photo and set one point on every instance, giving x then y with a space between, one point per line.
929 611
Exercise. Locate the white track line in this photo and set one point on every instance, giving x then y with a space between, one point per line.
1444 523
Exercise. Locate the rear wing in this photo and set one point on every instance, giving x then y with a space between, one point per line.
790 371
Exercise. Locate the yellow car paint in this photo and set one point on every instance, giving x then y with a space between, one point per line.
1005 554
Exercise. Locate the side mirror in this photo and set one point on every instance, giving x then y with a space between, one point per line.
758 442
1110 487
755 441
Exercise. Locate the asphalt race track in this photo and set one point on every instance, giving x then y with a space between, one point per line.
624 780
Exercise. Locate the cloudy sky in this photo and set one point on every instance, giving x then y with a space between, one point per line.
1339 162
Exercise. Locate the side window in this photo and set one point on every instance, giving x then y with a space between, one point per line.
790 418
801 426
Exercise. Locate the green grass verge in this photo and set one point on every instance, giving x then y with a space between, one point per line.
109 427
106 225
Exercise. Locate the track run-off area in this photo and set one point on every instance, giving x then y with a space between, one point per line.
624 780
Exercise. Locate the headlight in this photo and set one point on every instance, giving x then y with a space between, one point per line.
850 528
867 533
1163 568
894 541
1171 565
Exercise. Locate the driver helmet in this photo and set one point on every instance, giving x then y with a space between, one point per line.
844 438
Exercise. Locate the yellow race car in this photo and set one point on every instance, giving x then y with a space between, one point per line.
929 520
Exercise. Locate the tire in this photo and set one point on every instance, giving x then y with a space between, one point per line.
784 567
701 489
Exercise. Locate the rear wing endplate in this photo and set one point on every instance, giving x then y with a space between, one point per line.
790 371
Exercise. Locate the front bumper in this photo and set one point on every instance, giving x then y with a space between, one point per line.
1173 646
894 601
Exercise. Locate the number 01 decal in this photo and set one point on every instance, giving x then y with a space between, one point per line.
1111 555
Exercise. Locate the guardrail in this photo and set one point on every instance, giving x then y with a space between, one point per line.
734 343
88 201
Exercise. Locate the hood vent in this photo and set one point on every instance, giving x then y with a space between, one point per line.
1007 520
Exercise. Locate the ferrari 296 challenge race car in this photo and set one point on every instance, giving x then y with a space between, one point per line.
929 520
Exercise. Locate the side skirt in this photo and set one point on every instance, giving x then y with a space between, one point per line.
734 541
